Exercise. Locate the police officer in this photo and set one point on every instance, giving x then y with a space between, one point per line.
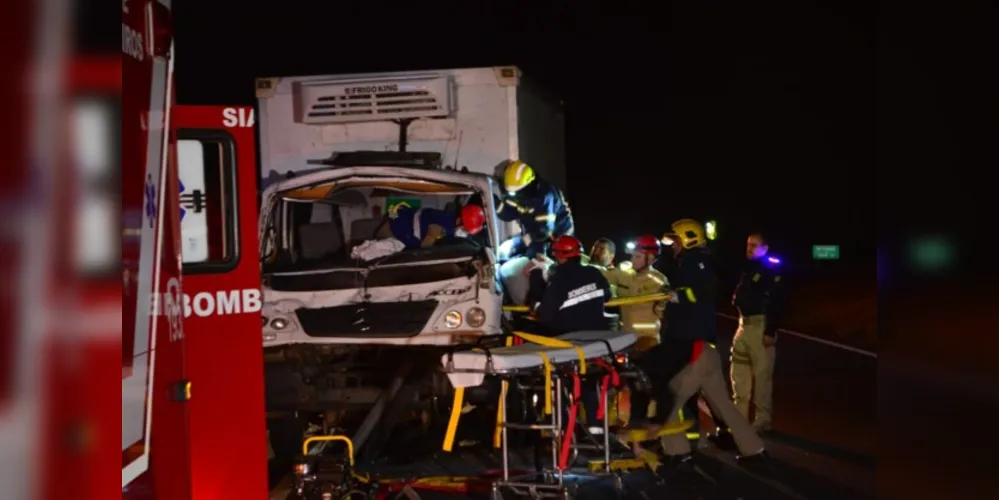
422 227
573 301
686 362
537 205
760 299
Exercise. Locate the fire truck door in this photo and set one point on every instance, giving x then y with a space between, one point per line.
222 301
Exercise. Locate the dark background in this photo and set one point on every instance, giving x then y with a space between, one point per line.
754 114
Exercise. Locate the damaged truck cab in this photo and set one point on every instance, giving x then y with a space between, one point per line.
339 155
317 290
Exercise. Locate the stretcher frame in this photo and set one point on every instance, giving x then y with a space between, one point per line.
546 483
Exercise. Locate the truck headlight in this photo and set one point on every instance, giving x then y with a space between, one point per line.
279 323
452 319
476 317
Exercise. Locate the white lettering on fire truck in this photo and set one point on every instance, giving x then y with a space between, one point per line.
237 117
204 304
131 42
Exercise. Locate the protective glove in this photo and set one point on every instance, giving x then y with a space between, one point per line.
673 297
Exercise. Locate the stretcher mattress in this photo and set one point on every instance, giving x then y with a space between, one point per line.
524 357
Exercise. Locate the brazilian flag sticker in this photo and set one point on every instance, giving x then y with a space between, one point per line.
394 203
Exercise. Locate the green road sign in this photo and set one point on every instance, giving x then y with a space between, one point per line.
825 252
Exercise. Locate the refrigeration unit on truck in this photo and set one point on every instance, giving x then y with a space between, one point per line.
339 155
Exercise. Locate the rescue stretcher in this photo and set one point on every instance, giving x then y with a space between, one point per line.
561 363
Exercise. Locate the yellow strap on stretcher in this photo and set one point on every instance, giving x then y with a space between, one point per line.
452 423
621 301
546 360
500 411
556 343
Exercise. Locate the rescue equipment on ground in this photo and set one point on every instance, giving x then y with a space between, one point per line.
329 477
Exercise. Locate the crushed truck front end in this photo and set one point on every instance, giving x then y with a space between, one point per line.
330 317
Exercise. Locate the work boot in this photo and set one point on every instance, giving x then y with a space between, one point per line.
723 440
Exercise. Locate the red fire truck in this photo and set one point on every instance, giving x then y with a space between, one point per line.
193 422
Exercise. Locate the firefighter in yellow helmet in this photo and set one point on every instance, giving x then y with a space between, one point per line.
686 362
538 205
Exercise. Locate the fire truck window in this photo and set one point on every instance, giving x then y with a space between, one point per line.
96 158
206 170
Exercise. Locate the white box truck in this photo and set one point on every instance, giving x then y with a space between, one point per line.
338 155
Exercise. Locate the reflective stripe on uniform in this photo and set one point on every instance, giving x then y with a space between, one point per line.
645 326
689 293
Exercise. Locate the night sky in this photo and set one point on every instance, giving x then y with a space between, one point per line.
756 114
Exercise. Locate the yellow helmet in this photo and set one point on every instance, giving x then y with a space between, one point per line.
690 233
517 176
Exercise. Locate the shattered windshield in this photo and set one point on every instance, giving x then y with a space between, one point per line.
314 230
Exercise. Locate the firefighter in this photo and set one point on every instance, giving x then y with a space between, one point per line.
686 362
574 297
641 279
538 206
645 320
573 300
422 227
759 298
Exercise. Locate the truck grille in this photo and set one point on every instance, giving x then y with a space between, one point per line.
371 319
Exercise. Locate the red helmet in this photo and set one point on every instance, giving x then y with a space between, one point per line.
647 244
567 247
473 218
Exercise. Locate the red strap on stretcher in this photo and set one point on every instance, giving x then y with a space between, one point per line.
570 427
517 341
698 349
612 379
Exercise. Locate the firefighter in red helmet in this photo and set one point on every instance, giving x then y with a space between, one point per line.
574 301
644 320
575 296
641 278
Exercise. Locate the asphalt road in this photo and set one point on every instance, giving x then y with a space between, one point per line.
825 411
824 438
